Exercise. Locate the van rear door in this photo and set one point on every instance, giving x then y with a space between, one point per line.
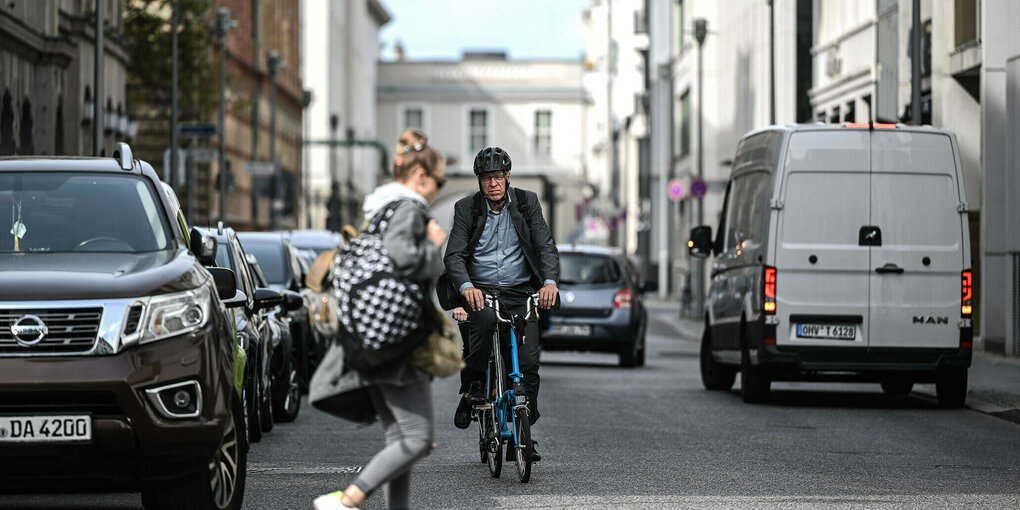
915 274
822 271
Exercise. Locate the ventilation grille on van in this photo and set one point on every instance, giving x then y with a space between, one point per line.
69 330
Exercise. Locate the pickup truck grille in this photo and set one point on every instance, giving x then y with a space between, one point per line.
70 330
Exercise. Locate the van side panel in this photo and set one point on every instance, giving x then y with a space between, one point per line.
825 188
914 200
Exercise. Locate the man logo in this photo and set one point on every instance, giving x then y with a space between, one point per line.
29 330
927 319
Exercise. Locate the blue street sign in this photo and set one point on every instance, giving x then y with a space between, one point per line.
197 129
698 188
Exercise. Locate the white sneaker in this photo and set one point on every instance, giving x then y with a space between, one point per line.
331 501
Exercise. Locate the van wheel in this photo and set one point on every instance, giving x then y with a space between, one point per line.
714 375
951 388
897 388
218 485
755 386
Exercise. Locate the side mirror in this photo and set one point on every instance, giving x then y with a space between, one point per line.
266 298
700 245
204 247
226 287
292 301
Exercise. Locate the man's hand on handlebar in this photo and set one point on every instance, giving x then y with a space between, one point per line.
475 299
547 296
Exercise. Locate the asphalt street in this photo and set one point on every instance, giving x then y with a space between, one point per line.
652 437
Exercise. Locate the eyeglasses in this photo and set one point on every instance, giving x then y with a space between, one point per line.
493 176
440 180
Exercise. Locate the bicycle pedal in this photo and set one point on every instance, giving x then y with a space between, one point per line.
482 407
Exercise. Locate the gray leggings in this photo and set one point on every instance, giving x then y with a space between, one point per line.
406 416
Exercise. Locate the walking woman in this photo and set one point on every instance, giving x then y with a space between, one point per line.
401 393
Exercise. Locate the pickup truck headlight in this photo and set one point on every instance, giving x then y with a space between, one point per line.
175 314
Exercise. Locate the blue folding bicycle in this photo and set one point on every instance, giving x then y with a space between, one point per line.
503 419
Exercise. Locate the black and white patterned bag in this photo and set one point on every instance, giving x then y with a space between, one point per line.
380 311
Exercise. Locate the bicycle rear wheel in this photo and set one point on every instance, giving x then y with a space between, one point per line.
523 446
494 453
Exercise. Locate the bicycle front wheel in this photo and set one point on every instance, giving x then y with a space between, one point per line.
523 446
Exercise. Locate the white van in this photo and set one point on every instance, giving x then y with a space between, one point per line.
843 255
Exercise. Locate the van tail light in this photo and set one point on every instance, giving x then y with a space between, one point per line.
966 293
769 291
622 299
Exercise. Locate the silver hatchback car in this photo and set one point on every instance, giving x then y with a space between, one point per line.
601 307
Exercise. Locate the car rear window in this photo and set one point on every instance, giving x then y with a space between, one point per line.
65 212
270 257
588 269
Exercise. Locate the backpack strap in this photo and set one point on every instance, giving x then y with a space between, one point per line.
522 204
380 220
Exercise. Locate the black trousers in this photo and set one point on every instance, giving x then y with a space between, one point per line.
478 343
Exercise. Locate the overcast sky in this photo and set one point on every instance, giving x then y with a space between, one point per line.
526 29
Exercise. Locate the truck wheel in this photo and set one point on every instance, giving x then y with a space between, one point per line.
218 485
714 375
951 388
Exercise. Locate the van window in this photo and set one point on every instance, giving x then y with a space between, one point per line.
748 210
825 207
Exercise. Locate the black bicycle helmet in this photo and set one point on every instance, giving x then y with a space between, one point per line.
491 159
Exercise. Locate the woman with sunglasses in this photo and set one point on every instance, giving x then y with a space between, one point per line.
401 393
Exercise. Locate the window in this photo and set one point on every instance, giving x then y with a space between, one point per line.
543 132
478 130
414 118
748 211
585 269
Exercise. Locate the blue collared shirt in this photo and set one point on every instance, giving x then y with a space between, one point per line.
498 260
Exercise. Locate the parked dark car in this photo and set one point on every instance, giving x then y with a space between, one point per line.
601 308
117 350
310 243
284 365
283 268
253 330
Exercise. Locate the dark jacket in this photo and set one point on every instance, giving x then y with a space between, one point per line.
536 242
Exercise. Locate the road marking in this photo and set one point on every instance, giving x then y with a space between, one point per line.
303 469
849 501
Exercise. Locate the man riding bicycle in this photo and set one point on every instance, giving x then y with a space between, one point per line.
500 245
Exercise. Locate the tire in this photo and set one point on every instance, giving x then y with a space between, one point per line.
523 446
495 450
896 388
629 354
755 386
643 343
219 484
483 444
287 400
251 402
266 408
714 375
951 388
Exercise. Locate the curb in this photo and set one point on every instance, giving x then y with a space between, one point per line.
976 404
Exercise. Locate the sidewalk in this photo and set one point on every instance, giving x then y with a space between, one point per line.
994 380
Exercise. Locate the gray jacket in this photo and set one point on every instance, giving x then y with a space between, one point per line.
414 257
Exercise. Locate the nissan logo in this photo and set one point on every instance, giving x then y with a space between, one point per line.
29 330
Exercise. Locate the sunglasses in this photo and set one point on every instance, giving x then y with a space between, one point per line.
440 180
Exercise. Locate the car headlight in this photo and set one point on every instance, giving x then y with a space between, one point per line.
175 314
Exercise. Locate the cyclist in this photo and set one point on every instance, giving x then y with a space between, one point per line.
499 244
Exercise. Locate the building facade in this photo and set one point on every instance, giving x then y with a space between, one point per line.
535 110
341 47
47 78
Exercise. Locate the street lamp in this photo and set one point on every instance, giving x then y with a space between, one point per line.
772 62
700 31
274 63
223 25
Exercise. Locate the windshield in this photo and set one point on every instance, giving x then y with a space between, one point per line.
270 257
585 269
67 212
